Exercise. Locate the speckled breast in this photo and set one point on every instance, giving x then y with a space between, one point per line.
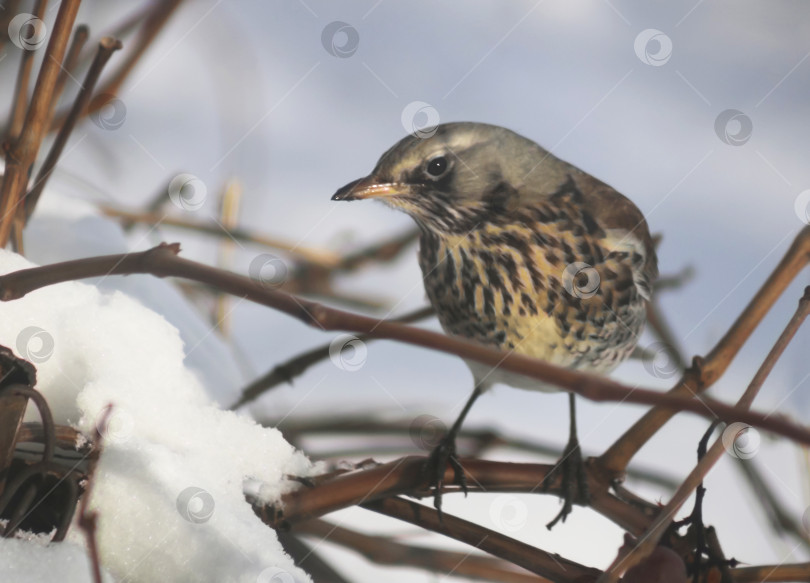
548 283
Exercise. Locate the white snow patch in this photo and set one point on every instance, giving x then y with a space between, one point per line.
29 561
169 484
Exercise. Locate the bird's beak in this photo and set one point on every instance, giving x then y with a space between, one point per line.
368 187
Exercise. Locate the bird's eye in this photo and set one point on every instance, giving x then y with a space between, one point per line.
437 166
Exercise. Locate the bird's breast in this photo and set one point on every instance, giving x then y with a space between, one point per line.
539 285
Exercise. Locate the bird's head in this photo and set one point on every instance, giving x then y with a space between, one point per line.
462 174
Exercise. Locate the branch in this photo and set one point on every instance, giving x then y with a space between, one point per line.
772 573
10 10
106 48
482 440
162 261
17 116
537 561
779 517
674 281
306 558
776 351
296 366
88 520
23 152
80 36
382 251
662 329
385 551
154 22
319 257
407 476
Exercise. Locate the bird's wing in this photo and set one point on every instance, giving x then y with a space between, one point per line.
625 227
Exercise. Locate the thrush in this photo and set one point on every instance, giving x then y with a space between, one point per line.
523 252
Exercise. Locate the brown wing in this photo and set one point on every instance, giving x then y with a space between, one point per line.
613 210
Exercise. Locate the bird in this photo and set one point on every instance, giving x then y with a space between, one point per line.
523 252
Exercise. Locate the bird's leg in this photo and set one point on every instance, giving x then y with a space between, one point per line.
445 452
574 484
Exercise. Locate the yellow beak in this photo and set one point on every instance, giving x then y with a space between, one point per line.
368 187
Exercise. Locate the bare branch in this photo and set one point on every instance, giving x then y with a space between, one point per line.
772 573
88 520
319 257
386 551
80 36
537 561
480 440
23 151
407 476
18 106
154 21
296 366
106 48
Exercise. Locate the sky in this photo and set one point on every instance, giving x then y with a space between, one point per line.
697 111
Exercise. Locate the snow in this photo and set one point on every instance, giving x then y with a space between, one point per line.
27 560
169 484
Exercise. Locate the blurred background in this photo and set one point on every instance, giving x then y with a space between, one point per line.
698 111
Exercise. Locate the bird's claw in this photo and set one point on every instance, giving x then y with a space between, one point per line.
574 482
444 454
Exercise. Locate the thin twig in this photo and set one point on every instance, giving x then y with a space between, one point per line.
10 10
662 329
88 519
80 36
18 107
696 518
673 281
23 151
535 560
131 22
383 251
229 203
106 47
385 551
776 351
153 206
296 366
159 13
780 518
308 559
320 257
772 573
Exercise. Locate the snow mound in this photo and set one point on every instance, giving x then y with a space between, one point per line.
169 485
